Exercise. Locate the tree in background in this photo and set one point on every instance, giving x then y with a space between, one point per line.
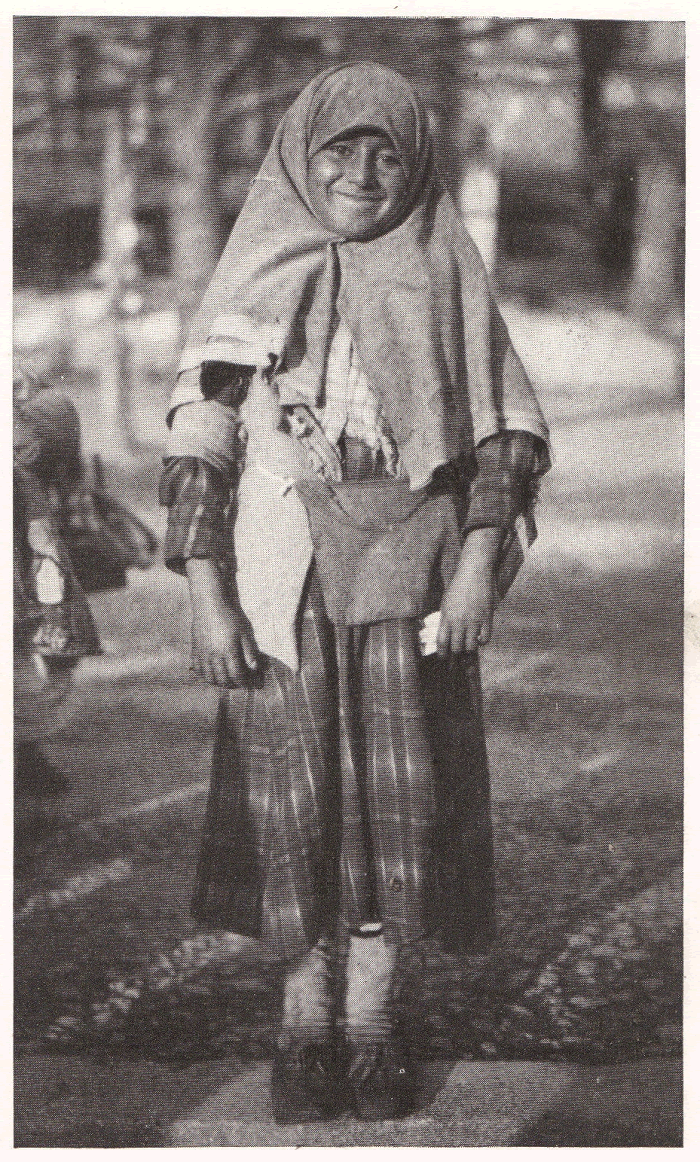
632 118
210 91
224 84
197 66
599 45
176 113
112 96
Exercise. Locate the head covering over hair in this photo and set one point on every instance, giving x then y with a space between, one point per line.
414 298
46 426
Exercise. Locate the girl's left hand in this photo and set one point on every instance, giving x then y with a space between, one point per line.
466 614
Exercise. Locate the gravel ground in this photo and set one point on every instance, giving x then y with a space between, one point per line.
585 747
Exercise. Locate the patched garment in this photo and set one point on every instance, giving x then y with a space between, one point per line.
369 750
415 298
351 408
498 485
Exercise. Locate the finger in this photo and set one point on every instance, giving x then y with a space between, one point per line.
235 673
454 637
219 672
471 635
484 634
442 638
250 652
486 627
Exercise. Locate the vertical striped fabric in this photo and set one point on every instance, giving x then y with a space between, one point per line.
332 792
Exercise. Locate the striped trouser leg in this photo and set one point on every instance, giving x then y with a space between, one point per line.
300 824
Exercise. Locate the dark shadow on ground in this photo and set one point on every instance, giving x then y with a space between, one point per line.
80 1102
431 1078
622 1105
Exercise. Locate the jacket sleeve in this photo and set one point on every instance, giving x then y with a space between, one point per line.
201 468
509 468
197 497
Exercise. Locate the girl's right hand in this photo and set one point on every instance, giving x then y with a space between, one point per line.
223 646
224 652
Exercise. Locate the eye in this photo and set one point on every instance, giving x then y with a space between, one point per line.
340 149
389 160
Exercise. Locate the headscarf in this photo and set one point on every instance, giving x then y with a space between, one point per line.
46 427
415 299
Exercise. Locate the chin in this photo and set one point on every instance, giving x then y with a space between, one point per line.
359 231
362 234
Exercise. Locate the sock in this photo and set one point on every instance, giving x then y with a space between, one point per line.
370 972
308 996
369 928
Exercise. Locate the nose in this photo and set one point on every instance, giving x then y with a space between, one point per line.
362 169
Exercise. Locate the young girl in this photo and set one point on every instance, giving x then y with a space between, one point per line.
349 397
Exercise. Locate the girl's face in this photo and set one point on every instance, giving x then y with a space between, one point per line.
357 184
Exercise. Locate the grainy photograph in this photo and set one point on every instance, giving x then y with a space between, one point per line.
348 381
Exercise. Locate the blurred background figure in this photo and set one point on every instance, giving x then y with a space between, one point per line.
136 140
69 538
53 625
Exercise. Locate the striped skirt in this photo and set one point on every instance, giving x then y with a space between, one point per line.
356 789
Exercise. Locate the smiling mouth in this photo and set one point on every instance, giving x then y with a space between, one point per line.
362 198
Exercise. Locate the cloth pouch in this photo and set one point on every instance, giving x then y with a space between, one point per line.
378 546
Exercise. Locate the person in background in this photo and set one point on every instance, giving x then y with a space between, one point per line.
53 625
353 443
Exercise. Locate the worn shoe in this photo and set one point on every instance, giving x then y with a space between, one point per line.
382 1081
306 1083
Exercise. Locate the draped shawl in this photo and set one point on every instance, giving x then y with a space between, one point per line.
415 299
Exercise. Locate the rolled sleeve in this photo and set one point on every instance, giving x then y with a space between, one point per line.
204 456
206 430
509 467
197 497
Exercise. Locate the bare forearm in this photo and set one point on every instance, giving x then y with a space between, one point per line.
481 549
223 644
206 584
468 605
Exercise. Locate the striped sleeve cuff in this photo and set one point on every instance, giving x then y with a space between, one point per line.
509 467
197 497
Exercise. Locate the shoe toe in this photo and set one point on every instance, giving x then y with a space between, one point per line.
305 1085
382 1082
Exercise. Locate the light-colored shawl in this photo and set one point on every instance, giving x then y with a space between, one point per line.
415 299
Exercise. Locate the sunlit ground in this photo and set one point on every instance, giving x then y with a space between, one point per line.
583 704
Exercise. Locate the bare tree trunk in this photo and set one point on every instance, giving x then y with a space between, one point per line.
117 216
654 286
655 291
205 65
192 214
443 87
